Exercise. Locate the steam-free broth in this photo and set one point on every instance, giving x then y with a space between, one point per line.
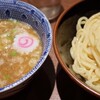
20 50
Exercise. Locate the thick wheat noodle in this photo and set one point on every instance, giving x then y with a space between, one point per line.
85 50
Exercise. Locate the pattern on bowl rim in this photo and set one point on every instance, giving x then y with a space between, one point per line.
36 19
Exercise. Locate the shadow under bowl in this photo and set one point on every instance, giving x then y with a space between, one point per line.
65 30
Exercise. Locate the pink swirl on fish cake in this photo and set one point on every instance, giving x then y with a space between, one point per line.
25 41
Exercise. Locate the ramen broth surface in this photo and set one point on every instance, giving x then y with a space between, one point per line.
20 50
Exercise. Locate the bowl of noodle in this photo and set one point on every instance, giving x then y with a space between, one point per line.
77 44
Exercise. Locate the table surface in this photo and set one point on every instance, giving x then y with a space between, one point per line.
54 86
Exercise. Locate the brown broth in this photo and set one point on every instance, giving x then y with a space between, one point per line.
14 64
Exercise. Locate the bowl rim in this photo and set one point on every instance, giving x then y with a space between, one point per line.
63 65
43 57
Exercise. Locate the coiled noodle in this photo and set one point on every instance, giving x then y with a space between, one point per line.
85 50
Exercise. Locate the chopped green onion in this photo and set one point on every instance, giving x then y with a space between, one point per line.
13 53
10 38
13 31
6 76
1 46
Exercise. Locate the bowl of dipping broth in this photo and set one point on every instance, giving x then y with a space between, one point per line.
77 44
25 42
